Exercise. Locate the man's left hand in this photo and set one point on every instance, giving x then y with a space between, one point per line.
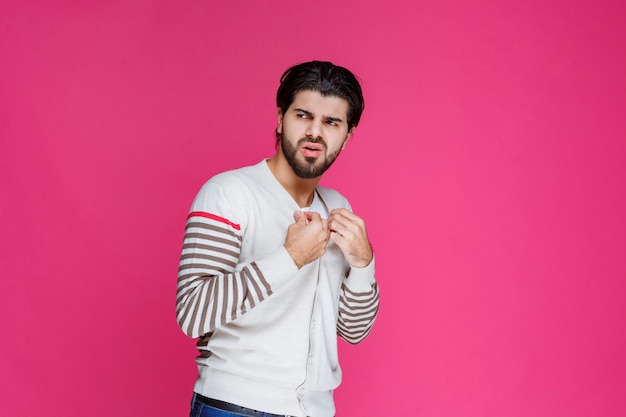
348 231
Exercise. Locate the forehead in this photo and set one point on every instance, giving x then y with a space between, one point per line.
314 102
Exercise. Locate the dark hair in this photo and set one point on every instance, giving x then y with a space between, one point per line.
327 79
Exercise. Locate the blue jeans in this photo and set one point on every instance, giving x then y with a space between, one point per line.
199 409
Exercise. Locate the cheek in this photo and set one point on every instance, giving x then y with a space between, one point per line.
337 142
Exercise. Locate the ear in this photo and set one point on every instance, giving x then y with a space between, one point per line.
279 125
348 136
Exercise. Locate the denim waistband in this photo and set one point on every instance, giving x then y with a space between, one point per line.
233 408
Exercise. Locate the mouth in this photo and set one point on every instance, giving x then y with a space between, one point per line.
312 150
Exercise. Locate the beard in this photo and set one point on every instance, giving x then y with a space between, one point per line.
309 167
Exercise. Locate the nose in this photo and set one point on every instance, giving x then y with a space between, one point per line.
314 128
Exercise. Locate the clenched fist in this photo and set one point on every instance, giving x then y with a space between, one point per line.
307 238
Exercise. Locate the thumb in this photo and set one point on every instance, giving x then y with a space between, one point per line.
299 216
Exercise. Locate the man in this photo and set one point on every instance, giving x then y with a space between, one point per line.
274 267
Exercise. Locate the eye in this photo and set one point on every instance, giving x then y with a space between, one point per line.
332 123
302 115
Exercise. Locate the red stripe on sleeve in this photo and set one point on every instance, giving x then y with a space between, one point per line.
214 217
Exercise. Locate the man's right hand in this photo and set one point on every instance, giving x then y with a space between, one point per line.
307 238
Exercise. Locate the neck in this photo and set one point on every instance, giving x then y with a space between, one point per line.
301 190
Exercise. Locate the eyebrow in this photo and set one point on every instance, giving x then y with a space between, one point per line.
328 118
308 113
334 119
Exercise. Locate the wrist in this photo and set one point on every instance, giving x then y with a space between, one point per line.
293 253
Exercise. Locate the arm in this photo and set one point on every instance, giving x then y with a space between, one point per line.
212 290
359 300
358 304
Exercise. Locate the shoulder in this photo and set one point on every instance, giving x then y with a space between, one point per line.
227 189
234 181
234 176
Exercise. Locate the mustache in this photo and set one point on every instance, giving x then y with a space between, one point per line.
312 139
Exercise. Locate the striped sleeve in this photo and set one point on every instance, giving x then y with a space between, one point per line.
209 292
358 305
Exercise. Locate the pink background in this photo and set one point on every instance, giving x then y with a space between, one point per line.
490 165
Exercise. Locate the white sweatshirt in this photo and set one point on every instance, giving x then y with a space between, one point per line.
267 331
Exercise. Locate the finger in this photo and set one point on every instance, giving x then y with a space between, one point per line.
340 241
347 215
300 217
336 238
312 216
343 226
348 220
343 212
339 210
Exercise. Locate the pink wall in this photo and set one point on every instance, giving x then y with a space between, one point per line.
490 165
